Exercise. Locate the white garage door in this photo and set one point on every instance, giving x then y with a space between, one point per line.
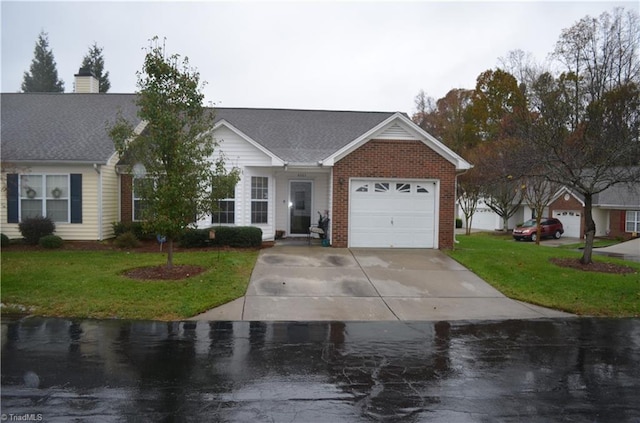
392 214
570 222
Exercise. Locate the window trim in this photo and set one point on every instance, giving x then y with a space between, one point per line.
265 189
45 197
219 212
134 198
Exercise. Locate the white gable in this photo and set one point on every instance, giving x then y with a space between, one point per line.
240 150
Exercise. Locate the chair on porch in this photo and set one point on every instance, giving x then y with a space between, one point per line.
322 228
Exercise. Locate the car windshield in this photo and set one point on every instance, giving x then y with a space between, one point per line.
529 224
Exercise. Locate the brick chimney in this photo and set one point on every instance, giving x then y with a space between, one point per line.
86 82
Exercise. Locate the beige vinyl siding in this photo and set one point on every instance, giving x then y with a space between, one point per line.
110 200
88 229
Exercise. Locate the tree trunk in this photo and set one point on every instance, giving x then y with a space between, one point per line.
538 228
467 223
505 224
589 230
170 253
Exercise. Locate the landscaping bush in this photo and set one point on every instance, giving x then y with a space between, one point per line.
458 223
5 240
232 236
247 236
51 241
34 228
126 240
194 238
136 228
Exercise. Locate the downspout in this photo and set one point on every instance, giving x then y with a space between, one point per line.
96 167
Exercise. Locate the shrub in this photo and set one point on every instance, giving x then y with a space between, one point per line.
458 223
5 240
137 228
238 236
51 241
233 236
126 240
34 228
247 236
194 238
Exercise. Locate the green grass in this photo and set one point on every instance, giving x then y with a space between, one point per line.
523 271
91 284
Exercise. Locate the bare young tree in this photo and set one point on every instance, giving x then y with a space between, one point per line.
469 191
538 192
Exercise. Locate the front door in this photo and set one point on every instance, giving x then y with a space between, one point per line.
300 206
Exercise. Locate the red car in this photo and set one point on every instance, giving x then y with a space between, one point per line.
548 228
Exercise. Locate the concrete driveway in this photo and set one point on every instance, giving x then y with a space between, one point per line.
294 283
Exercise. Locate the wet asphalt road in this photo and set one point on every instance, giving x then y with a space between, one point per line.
561 370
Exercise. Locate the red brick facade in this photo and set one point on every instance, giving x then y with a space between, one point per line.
393 159
126 198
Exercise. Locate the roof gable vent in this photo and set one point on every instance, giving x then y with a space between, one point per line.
394 132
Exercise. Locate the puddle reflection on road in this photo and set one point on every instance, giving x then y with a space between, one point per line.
533 370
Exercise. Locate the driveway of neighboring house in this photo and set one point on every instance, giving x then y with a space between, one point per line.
296 283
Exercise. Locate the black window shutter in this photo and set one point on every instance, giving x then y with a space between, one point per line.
76 198
13 193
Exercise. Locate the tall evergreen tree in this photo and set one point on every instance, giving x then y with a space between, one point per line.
43 75
94 61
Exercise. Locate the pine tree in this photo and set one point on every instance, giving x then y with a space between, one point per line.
43 75
94 61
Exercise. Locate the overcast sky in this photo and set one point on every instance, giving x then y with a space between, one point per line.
306 55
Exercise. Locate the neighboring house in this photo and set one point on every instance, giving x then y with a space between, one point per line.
384 181
58 160
485 219
616 212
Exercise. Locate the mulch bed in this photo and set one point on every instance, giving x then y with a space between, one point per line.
596 266
177 272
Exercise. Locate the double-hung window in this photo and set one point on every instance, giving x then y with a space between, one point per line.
259 199
225 212
140 187
45 195
632 223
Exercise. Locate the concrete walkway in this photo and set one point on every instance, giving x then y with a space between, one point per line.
313 283
629 249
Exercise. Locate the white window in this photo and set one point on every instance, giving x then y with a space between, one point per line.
45 195
259 199
632 221
139 206
225 211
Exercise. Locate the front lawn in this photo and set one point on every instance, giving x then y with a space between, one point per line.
91 284
523 271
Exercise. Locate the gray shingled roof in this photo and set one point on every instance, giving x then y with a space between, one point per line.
621 195
301 136
61 127
72 127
